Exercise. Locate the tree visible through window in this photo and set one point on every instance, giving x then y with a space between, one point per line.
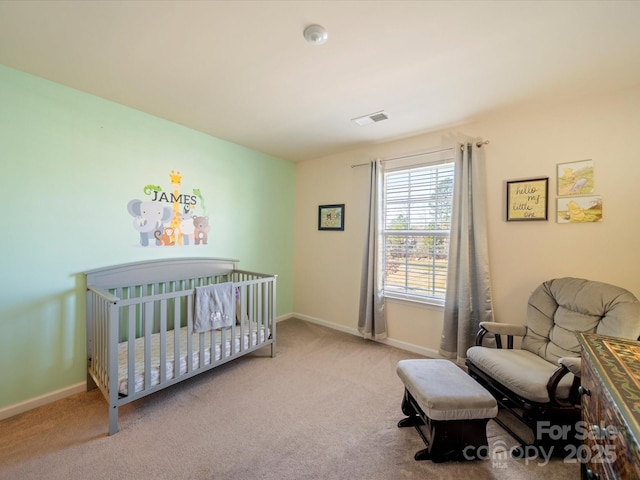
416 224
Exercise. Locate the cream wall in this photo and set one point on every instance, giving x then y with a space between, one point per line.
527 144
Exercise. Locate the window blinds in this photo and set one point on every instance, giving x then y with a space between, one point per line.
416 224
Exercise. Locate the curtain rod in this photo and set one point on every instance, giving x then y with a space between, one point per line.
479 144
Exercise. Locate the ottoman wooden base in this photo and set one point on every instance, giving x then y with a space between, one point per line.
449 405
446 440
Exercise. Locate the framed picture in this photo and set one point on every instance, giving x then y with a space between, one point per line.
575 178
527 199
331 217
580 209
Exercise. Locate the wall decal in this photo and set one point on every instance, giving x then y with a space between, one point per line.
167 218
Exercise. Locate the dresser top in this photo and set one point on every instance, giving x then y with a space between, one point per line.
617 362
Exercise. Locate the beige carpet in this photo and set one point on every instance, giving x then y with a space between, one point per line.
325 408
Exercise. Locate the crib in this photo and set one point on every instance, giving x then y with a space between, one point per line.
140 324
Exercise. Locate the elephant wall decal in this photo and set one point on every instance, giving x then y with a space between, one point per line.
148 218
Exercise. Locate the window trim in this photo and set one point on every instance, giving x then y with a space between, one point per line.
388 292
413 299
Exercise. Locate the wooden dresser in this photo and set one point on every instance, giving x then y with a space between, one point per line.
610 388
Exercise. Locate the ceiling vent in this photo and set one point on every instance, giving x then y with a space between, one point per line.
371 118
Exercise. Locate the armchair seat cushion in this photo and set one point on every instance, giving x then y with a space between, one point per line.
523 372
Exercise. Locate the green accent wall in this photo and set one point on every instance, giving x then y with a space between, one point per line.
70 164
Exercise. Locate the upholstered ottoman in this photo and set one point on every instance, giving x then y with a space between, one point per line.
454 407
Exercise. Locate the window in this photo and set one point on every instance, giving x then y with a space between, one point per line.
417 209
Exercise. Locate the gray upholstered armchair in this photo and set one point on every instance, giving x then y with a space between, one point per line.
539 382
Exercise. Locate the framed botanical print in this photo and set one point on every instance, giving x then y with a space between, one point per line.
331 217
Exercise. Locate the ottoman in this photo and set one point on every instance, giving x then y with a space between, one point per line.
452 405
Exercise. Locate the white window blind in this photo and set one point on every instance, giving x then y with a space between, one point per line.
416 224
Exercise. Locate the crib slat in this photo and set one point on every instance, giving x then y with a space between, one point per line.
97 359
201 350
260 306
176 338
104 331
148 324
272 316
223 344
189 333
250 292
163 341
233 337
267 303
241 292
131 345
104 343
212 343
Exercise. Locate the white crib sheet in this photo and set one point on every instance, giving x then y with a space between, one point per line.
258 335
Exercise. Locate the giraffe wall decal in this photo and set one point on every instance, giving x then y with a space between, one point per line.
176 180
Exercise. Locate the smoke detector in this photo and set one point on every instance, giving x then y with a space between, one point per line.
315 34
370 118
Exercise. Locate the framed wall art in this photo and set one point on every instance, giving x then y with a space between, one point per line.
527 199
331 217
580 209
575 178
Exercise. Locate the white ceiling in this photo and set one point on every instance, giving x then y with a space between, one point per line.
241 70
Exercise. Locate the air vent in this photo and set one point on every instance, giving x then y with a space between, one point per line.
371 118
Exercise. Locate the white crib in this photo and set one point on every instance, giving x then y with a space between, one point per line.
140 320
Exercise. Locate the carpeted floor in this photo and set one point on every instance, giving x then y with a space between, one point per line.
326 407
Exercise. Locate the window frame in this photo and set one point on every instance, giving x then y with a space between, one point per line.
404 292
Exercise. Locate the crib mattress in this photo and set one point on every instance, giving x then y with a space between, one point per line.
256 333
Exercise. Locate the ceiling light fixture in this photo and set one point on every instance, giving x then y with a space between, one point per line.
371 118
315 34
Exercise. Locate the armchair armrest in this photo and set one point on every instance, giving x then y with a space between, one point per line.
573 364
498 329
566 365
504 328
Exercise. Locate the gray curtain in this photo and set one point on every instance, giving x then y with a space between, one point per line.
468 298
371 318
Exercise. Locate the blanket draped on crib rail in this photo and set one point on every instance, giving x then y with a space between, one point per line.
214 307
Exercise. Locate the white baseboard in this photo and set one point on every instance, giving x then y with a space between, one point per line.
324 323
32 403
286 316
427 352
410 347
